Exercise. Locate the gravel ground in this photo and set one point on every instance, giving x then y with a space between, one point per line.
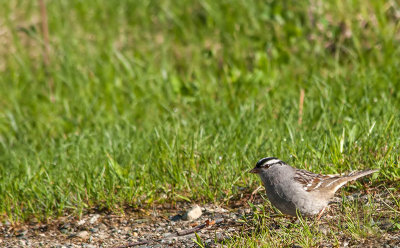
156 228
159 227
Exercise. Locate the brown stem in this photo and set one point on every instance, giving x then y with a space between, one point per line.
301 103
46 44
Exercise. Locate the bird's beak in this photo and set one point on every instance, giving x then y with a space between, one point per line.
255 170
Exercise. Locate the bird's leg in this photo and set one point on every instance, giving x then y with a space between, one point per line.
320 213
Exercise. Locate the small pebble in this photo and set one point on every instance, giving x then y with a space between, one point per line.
94 218
165 235
102 236
323 230
193 213
101 226
82 234
81 222
88 246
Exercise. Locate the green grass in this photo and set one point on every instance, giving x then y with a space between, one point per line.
176 100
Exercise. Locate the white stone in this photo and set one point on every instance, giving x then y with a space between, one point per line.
193 213
83 234
94 218
81 222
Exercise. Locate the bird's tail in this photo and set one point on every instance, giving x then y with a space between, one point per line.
350 177
357 174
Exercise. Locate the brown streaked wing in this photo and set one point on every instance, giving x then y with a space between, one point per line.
311 181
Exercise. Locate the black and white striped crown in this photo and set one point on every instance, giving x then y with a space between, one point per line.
267 162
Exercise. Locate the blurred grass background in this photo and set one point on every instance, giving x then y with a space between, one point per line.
151 101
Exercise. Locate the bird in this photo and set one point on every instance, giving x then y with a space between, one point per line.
295 191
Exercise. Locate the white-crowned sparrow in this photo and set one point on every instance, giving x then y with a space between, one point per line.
294 191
